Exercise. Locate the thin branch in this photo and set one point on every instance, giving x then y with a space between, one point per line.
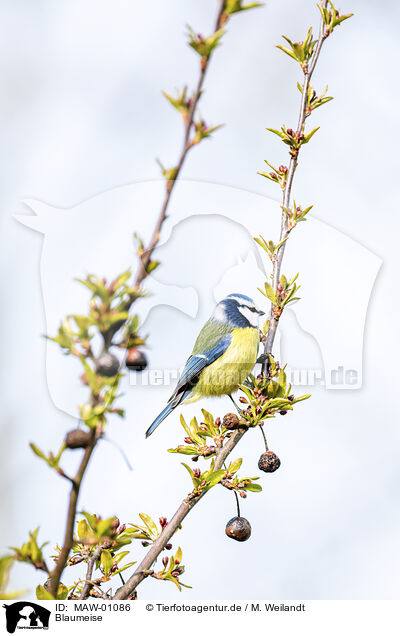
147 254
88 581
184 508
288 186
102 594
55 575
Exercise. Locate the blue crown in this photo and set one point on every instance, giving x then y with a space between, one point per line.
230 306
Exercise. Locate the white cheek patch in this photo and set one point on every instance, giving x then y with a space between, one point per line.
251 316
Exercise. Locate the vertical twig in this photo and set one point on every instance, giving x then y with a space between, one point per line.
288 187
147 253
55 575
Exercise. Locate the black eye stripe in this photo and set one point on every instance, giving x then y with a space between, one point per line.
247 307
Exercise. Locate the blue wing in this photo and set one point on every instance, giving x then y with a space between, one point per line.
196 363
189 377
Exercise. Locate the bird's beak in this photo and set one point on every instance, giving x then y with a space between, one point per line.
261 313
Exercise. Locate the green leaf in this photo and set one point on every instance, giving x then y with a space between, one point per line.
150 524
270 293
121 280
184 450
204 46
190 471
106 561
214 478
234 6
185 426
288 52
37 451
301 398
309 135
252 487
152 266
178 556
91 519
104 527
125 567
83 529
276 132
62 592
43 595
235 465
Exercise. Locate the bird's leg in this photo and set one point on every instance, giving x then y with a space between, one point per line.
239 410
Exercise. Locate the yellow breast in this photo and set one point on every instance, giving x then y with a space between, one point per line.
224 375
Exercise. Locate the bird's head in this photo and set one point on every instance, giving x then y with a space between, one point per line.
237 310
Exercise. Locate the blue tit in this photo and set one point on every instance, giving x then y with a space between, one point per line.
224 354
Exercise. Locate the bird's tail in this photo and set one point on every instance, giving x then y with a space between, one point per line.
168 409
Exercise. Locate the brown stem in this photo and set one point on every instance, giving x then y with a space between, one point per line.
147 254
55 575
88 581
276 272
184 508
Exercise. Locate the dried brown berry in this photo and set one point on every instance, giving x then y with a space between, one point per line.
238 528
269 462
107 365
231 421
163 522
168 546
77 438
135 360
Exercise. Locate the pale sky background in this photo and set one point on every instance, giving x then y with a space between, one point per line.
81 113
